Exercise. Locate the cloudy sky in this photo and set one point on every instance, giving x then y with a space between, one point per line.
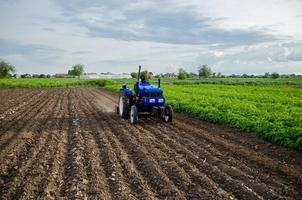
234 36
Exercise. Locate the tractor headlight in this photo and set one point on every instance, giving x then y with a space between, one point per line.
160 100
152 100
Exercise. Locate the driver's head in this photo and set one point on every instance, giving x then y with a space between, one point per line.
149 76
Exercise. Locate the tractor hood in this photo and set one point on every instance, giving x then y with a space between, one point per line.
145 88
151 89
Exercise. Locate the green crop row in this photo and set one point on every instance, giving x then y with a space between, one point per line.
52 83
273 113
297 82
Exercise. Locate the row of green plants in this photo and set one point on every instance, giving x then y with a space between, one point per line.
297 82
273 113
52 83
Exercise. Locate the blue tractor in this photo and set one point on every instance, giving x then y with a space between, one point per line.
146 98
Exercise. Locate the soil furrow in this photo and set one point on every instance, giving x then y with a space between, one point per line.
14 118
16 169
215 172
16 124
235 168
12 142
52 183
263 148
75 176
289 177
23 142
15 102
34 181
97 184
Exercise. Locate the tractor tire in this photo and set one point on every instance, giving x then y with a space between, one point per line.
168 114
133 115
122 106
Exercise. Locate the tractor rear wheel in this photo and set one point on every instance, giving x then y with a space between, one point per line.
133 115
168 114
122 106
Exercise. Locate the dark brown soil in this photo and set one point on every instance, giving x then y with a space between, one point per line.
70 144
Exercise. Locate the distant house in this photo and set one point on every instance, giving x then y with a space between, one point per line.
170 75
89 76
114 76
61 75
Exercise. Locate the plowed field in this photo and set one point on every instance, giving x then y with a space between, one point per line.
69 143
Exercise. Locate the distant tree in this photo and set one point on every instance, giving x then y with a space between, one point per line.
77 70
192 75
133 74
70 73
182 74
267 75
204 71
42 76
25 76
48 76
275 75
6 69
219 75
244 76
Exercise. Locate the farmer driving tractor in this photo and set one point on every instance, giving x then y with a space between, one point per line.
145 77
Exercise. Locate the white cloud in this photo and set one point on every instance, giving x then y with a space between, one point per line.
231 36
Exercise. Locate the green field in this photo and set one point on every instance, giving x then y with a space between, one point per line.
51 83
272 112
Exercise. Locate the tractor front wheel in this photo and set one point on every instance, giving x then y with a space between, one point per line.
168 114
133 115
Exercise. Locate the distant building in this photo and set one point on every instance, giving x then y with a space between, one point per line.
114 76
89 76
107 75
61 75
170 75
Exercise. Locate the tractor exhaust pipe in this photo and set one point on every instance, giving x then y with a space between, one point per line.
159 83
139 73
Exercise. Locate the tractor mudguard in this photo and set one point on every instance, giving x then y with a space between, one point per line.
127 92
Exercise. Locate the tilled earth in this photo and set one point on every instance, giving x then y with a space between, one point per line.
69 144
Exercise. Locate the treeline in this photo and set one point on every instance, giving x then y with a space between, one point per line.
8 70
205 71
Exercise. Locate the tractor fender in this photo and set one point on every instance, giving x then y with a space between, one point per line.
127 92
